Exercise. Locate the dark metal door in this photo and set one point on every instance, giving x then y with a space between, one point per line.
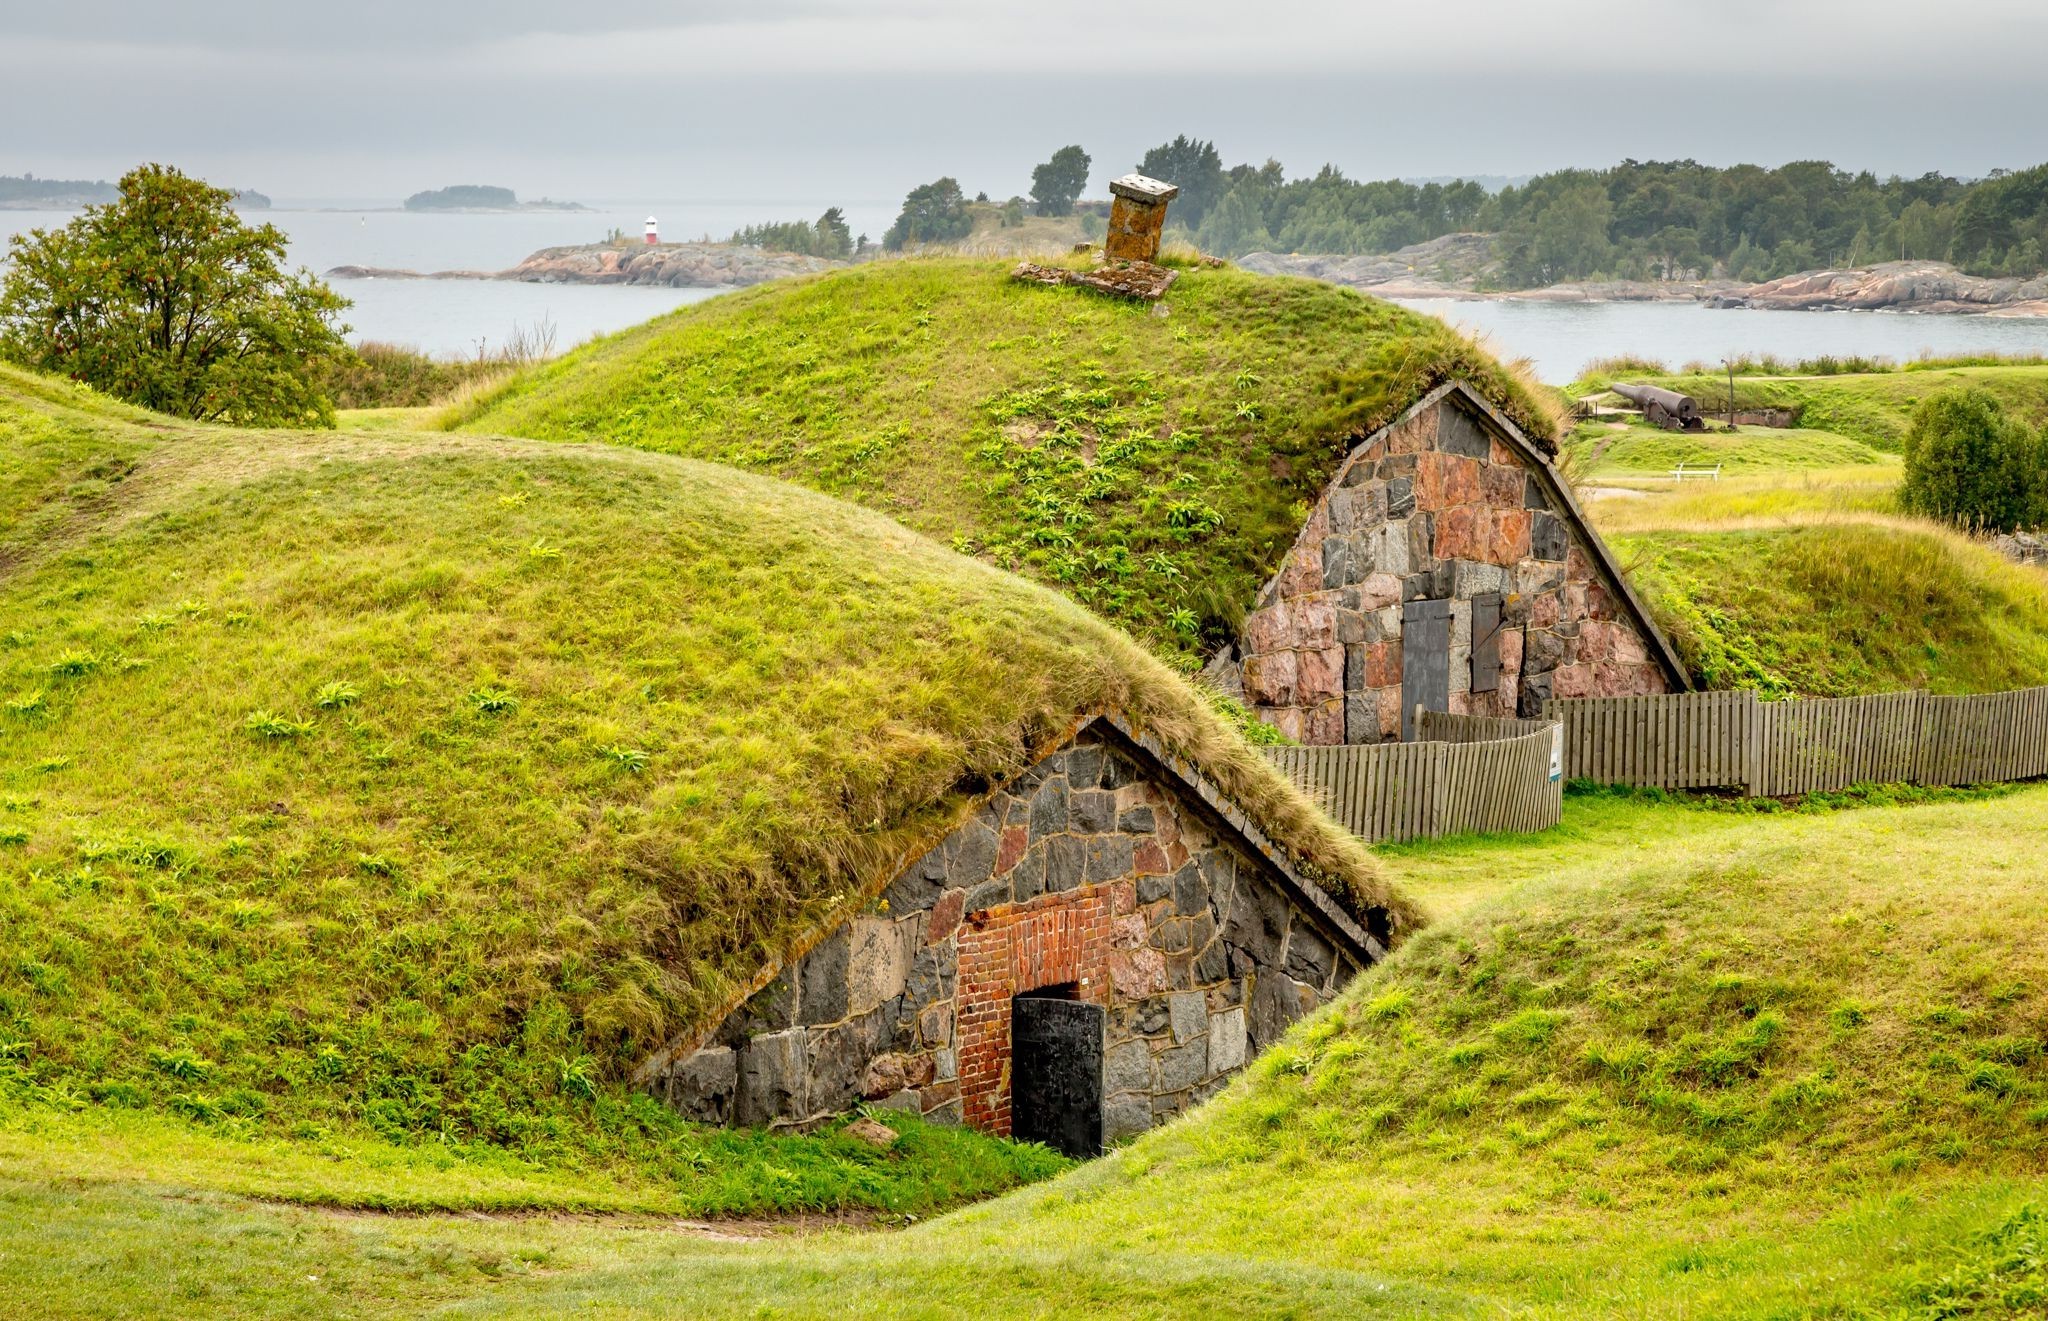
1425 660
1056 1074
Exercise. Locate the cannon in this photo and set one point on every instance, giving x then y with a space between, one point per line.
1665 408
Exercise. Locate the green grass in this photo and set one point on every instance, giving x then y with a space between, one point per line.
1872 408
1835 608
407 789
1653 451
1664 1063
1152 462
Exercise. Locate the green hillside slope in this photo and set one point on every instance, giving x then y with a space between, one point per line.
1841 606
1665 1062
414 786
1872 408
1152 461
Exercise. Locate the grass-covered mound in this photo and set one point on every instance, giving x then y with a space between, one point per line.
1837 607
1665 1063
1607 449
1872 408
415 786
1152 462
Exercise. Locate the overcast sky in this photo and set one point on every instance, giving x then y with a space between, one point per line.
802 99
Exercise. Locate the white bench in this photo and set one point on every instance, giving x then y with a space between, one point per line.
1681 472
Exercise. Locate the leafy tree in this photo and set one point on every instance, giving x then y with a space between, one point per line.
167 299
932 213
1236 225
1194 168
1056 184
827 236
835 236
1969 464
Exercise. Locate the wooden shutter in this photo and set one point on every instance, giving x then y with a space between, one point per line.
1486 643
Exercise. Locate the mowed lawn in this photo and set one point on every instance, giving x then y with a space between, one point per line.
1662 1061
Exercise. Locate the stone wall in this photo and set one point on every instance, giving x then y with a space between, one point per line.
1093 870
1435 508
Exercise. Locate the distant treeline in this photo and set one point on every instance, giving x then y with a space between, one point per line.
827 236
1636 220
471 196
18 188
26 189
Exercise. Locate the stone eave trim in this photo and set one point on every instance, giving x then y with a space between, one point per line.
1504 429
1358 944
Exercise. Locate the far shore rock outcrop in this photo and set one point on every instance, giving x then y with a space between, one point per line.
1900 286
1459 266
671 265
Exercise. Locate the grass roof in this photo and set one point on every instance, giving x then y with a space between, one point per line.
1152 461
425 781
1855 604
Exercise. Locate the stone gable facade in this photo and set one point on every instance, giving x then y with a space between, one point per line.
1100 871
1449 505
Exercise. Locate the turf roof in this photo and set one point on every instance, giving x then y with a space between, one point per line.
1154 462
387 748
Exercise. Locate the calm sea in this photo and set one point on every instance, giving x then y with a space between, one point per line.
457 318
463 317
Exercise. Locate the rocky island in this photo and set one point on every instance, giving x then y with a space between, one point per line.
673 265
482 197
1463 266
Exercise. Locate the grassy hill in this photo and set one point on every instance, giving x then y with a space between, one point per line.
1663 1062
1835 606
1612 449
1872 408
405 788
1152 462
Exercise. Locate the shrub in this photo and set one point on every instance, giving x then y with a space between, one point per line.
1969 464
167 300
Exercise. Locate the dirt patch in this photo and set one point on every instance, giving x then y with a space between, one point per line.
733 1229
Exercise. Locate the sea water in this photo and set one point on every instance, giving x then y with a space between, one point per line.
466 317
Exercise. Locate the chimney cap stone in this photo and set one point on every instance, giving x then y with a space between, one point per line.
1141 189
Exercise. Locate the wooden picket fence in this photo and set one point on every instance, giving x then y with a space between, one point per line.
1476 774
1732 740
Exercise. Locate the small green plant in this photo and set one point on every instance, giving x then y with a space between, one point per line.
270 725
182 1065
76 664
340 693
29 705
13 836
631 760
492 700
541 552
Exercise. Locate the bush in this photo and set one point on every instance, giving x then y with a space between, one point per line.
1969 464
167 300
933 213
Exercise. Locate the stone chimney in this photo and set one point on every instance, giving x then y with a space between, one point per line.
1137 214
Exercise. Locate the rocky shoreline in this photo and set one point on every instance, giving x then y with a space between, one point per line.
669 265
1457 266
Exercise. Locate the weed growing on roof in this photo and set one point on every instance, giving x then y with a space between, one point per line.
492 700
270 725
337 694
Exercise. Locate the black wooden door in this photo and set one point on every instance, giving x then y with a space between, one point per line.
1056 1074
1425 660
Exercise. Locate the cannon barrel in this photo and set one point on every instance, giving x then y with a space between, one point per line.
1679 407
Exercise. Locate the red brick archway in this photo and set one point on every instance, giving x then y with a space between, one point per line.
1054 939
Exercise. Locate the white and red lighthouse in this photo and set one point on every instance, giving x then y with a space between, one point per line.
653 231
